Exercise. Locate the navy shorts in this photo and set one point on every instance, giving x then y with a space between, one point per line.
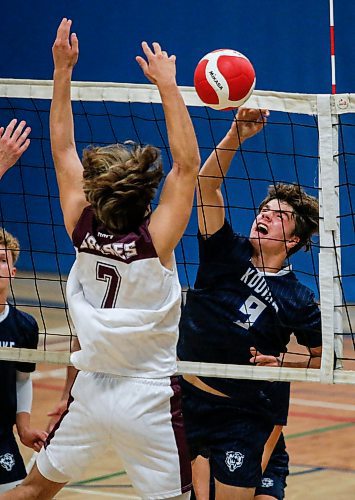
12 467
273 482
232 439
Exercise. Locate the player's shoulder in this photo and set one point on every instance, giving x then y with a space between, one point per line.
226 241
23 319
297 291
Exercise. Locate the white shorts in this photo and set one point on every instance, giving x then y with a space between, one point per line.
140 419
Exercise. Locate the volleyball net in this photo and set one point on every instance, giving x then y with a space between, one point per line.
308 141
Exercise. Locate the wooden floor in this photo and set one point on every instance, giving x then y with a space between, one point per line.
320 435
320 439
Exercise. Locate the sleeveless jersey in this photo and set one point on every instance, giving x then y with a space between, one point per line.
233 307
124 304
17 329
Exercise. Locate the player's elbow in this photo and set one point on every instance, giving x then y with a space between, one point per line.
189 165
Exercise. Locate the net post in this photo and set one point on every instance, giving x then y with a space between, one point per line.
329 235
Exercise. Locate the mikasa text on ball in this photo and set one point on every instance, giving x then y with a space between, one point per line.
224 79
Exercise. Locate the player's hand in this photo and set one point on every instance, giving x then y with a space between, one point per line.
13 142
249 122
159 68
33 438
56 413
259 359
66 47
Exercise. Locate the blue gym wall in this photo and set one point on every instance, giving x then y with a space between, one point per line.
287 41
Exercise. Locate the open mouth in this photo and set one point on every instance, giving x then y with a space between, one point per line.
262 228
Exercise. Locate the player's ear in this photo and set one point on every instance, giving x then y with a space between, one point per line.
292 242
13 272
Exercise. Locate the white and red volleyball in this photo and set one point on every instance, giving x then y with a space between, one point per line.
224 79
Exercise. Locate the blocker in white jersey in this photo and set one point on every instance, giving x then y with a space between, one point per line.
125 306
123 293
131 301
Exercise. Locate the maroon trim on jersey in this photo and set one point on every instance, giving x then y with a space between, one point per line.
90 236
180 438
57 425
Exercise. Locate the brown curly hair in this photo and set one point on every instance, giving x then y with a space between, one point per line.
9 242
306 210
120 181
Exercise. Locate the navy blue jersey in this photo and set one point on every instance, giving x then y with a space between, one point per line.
235 306
18 329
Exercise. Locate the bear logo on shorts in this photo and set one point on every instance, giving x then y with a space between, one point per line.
7 461
267 482
234 460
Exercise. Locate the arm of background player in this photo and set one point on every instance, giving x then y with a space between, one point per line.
270 446
69 169
33 438
209 195
62 405
169 220
13 142
314 360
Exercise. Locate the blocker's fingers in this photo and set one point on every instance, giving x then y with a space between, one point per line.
164 52
18 130
24 146
157 48
10 129
74 42
64 35
61 29
142 63
147 50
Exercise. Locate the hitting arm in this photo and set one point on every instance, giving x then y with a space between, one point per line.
210 201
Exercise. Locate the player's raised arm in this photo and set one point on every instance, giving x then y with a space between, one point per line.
170 219
13 143
210 201
68 166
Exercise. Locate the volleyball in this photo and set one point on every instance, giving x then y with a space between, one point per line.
224 79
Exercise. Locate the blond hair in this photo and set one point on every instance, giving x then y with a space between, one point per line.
120 181
9 242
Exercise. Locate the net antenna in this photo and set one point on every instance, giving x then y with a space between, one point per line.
332 45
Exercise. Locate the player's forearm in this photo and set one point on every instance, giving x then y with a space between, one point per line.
71 374
61 115
181 133
217 164
71 371
312 362
22 423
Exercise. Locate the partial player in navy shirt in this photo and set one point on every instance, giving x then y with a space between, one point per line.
243 309
20 330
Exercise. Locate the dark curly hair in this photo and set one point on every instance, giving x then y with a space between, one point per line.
120 181
306 210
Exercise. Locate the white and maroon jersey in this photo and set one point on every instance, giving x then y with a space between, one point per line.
124 304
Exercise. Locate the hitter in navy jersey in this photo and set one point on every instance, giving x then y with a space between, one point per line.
243 309
17 329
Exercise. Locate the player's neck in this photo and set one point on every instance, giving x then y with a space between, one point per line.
268 263
3 301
